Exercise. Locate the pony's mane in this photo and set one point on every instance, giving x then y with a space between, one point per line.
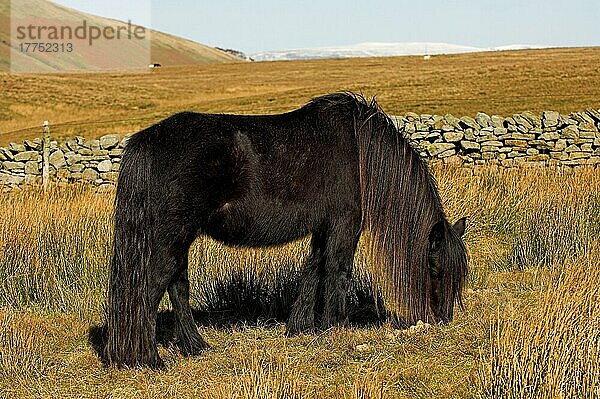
400 205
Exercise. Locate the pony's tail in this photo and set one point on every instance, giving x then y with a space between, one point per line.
397 193
131 337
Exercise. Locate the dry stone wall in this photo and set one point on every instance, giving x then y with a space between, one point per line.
520 140
526 139
74 160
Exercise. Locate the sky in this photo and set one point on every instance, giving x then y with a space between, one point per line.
254 26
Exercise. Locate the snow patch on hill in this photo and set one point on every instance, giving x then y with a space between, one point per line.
375 49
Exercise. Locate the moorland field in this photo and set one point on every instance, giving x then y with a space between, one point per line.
531 322
499 83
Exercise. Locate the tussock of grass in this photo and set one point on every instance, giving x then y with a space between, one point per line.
562 222
54 250
555 233
21 350
368 386
267 378
246 284
552 348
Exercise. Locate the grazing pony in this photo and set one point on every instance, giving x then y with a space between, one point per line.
333 168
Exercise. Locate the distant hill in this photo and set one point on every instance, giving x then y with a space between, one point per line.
166 49
378 50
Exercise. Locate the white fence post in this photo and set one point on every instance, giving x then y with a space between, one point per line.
46 156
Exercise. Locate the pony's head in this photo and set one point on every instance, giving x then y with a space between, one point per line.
447 268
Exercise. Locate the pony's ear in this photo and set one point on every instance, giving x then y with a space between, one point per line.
437 234
460 226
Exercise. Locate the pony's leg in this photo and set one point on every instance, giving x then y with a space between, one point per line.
158 281
189 341
342 241
169 260
302 316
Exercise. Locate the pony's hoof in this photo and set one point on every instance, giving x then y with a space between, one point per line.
332 322
292 330
152 362
300 323
193 347
157 365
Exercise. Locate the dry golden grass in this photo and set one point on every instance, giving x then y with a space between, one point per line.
552 348
21 350
528 329
46 245
502 83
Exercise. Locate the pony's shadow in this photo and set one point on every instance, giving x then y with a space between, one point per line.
239 302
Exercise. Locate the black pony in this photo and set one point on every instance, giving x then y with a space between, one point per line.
333 168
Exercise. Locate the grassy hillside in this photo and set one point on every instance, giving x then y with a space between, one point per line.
497 83
165 49
530 327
